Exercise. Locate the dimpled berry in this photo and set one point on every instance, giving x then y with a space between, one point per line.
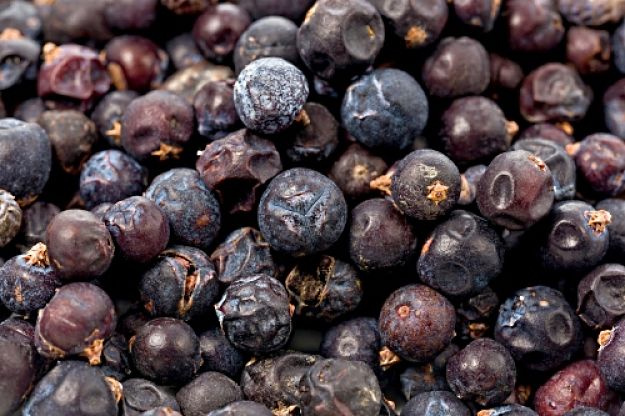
269 94
417 322
302 212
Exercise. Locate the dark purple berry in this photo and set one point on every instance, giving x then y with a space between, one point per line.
614 108
242 408
291 9
217 30
35 221
135 63
480 14
218 354
600 294
314 138
207 392
588 49
435 403
355 169
616 208
534 25
214 110
357 339
546 131
142 395
591 12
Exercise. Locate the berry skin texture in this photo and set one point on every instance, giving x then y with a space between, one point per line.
591 12
207 392
292 9
357 339
79 245
534 25
242 408
616 207
334 386
435 403
417 323
218 354
142 395
76 321
217 30
355 169
425 185
516 191
586 411
483 372
269 94
385 109
480 14
588 49
614 108
508 410
10 218
254 313
539 328
302 212
214 110
108 113
611 360
600 294
600 160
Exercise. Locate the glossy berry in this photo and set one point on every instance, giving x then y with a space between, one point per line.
354 170
504 73
76 321
193 211
27 282
181 283
207 392
483 372
214 110
423 378
578 384
24 174
616 208
269 94
380 236
340 38
142 395
218 354
236 167
92 393
458 66
254 314
315 138
614 108
417 323
183 51
574 237
135 63
332 386
110 176
600 160
301 212
35 220
444 265
242 408
425 185
79 245
588 49
385 109
357 339
534 25
435 403
516 190
539 328
217 30
324 289
591 12
161 342
480 14
10 218
554 92
157 125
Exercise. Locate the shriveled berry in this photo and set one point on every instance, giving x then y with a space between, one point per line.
355 169
591 12
600 294
600 160
218 354
588 49
142 395
207 392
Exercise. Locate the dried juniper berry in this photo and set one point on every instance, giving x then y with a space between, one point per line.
614 108
236 167
324 288
214 110
107 115
73 136
72 75
271 36
314 138
554 92
243 253
186 7
539 328
385 109
20 364
116 360
480 14
339 39
142 395
435 403
79 245
547 131
161 411
591 12
610 358
24 174
354 170
444 265
183 51
181 283
27 282
242 408
135 63
483 372
10 218
504 73
616 208
139 228
586 411
21 15
417 323
380 237
534 25
474 129
516 190
73 20
291 9
357 339
217 30
574 237
600 160
458 66
207 392
35 220
158 125
334 386
468 184
476 315
218 354
19 57
578 384
76 321
561 165
274 380
418 379
187 81
269 94
618 47
254 313
161 342
600 294
110 176
508 410
425 185
302 212
588 49
29 110
90 392
193 211
131 15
